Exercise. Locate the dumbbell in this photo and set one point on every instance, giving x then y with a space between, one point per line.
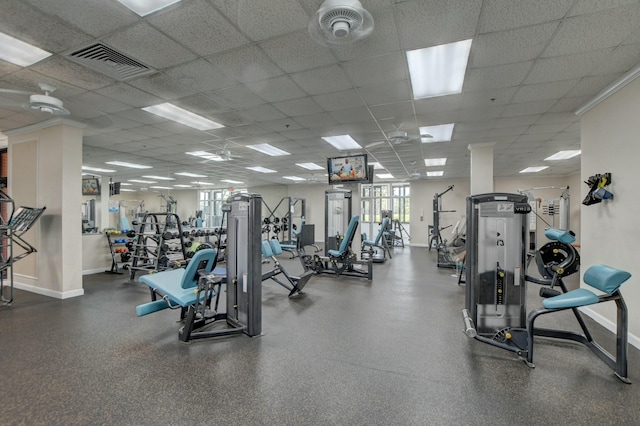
266 229
285 227
185 234
285 220
276 220
131 233
276 229
125 257
167 235
266 221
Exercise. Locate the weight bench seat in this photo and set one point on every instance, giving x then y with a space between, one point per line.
177 286
348 238
601 277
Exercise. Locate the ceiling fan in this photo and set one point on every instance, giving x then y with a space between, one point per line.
45 104
221 154
340 23
398 136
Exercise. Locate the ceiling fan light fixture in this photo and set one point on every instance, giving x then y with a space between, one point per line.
340 23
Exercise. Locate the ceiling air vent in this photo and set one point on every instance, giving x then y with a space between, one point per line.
106 60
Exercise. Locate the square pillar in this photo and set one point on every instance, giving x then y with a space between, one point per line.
481 168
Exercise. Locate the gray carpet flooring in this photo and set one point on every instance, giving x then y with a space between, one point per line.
348 352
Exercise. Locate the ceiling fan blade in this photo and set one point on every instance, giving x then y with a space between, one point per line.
16 92
374 144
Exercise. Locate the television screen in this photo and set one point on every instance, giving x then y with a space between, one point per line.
90 186
351 168
114 188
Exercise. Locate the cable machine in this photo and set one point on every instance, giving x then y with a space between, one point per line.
553 207
338 213
436 238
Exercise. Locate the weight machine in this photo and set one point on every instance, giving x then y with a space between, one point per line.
436 238
552 207
195 288
14 223
496 282
283 222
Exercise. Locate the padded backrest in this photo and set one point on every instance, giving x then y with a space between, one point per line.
348 236
124 224
203 259
383 226
297 231
605 278
266 249
276 248
561 235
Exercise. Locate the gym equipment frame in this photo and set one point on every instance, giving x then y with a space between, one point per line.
194 288
12 228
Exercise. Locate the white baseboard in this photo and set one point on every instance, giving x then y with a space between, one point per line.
47 292
95 271
609 325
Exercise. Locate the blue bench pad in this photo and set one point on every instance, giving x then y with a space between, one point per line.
169 283
605 278
560 235
571 299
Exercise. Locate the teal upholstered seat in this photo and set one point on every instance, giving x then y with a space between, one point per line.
348 238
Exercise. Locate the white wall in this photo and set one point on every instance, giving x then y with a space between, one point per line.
610 233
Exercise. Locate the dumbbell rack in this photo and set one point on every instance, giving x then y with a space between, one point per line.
13 224
113 245
150 252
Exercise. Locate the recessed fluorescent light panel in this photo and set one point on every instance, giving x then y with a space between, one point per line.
294 178
141 181
310 166
161 187
438 173
187 174
182 116
564 155
342 142
535 169
206 155
376 165
125 164
230 181
125 184
440 133
385 176
127 190
97 169
265 148
430 162
159 177
203 183
20 53
438 70
182 186
261 169
145 7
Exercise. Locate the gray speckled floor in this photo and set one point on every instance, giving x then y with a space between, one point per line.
348 352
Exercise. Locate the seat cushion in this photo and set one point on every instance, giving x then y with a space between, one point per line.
168 283
605 278
572 299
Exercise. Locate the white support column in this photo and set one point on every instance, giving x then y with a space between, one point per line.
481 168
45 162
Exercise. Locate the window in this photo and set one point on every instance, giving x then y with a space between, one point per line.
211 202
376 198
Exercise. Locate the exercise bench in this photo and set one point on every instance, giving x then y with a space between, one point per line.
381 242
190 289
270 249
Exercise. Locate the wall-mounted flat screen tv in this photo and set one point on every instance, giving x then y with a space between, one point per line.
350 168
90 186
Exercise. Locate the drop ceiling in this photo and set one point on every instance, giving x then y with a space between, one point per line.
251 66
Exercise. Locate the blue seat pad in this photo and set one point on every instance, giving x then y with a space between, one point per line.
605 278
334 253
572 299
169 283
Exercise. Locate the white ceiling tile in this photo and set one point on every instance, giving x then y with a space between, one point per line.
276 89
163 86
296 107
558 117
590 6
260 20
200 104
539 92
569 104
339 100
547 128
423 24
500 15
322 80
565 67
524 120
315 120
200 76
488 97
595 31
480 113
283 125
384 38
264 112
528 108
621 60
397 112
20 20
140 116
148 45
297 52
95 18
496 77
590 86
353 115
132 96
246 64
235 97
397 91
230 119
377 69
208 31
150 131
522 44
72 73
96 101
439 103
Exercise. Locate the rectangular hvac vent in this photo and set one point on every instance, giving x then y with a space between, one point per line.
106 60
